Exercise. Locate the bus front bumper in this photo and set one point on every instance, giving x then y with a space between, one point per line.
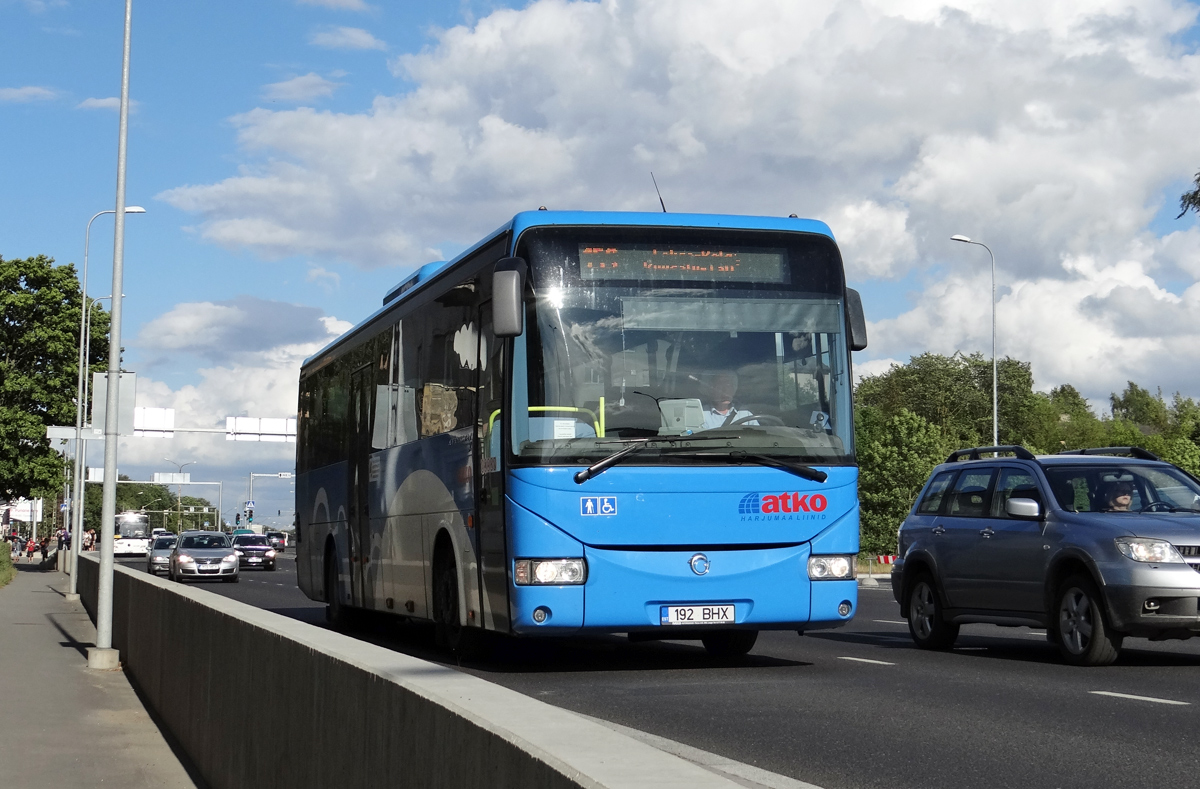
632 590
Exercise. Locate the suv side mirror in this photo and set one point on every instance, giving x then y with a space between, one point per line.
857 320
508 297
1023 508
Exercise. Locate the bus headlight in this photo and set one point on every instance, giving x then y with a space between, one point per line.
551 572
831 568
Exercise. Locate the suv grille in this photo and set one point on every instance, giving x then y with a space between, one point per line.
1191 555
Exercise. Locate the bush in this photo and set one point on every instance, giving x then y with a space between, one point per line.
7 571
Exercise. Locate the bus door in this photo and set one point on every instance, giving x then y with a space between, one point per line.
358 512
489 479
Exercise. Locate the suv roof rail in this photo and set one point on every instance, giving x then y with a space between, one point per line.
1137 452
974 452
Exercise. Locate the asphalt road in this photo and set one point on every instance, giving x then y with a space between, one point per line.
857 707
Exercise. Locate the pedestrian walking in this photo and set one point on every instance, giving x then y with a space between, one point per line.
29 548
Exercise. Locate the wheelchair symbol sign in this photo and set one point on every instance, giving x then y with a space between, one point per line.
597 505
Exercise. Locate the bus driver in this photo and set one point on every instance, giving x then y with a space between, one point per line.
720 410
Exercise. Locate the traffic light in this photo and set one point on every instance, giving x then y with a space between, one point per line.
237 519
249 516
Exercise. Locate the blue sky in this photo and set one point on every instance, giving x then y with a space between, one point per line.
298 157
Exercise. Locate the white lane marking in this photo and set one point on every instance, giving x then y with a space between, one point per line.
890 621
1139 698
866 660
969 649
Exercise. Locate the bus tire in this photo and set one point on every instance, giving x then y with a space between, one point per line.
335 612
729 643
449 631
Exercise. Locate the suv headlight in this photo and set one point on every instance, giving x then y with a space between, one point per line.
270 554
831 568
550 572
1145 550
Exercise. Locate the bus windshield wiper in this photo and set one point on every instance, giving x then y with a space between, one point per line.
600 466
800 470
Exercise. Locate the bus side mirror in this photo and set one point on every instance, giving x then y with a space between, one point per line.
858 321
508 302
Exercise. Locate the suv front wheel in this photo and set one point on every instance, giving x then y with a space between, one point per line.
925 621
1082 635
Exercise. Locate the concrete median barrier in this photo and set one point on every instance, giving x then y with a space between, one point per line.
260 700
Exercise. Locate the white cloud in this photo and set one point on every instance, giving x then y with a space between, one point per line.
304 88
1049 129
231 329
345 38
329 280
259 379
341 5
874 239
27 93
1092 325
108 103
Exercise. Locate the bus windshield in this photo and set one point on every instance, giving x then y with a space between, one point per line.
659 332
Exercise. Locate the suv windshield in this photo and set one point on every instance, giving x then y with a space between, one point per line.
205 541
1116 489
251 540
638 333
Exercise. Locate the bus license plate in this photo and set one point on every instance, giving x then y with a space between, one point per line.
720 614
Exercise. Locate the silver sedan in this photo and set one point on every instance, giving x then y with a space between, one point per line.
203 554
159 556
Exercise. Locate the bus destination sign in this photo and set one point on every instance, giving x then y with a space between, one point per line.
683 263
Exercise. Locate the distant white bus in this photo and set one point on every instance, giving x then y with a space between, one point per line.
132 534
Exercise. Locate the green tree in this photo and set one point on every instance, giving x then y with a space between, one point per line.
39 336
1139 406
895 455
1190 201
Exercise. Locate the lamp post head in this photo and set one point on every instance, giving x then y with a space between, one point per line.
963 239
134 209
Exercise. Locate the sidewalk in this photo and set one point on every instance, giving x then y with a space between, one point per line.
61 724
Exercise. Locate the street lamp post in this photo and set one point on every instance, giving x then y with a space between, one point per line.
103 656
85 314
995 387
179 492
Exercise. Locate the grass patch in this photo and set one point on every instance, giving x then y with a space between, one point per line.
7 571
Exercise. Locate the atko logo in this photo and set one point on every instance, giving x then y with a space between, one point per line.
782 506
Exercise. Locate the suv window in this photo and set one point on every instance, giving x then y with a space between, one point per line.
1014 483
935 492
1089 488
969 497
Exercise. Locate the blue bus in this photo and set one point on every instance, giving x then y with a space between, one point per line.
593 422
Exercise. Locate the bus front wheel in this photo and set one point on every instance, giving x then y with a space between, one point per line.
729 643
449 632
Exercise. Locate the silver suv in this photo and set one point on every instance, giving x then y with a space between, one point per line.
1093 545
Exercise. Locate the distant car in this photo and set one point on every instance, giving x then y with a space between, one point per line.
278 540
1094 545
254 550
203 554
160 554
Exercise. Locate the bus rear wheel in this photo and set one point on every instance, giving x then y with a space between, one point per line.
729 643
449 631
335 612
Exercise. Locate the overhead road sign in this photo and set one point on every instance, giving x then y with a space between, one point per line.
253 428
